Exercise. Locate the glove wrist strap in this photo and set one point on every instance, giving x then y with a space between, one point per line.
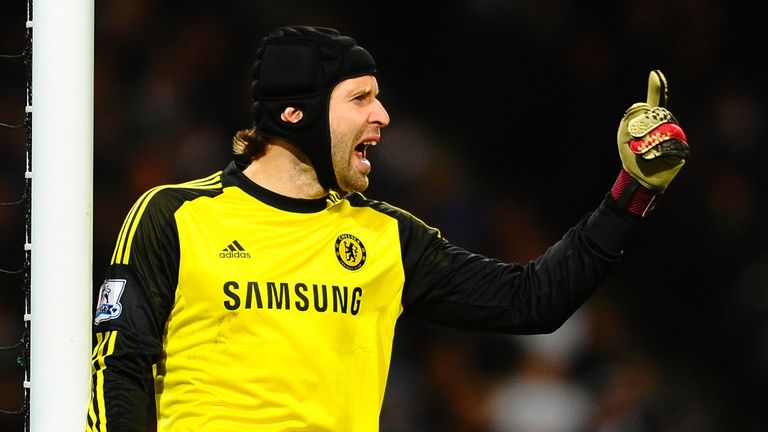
632 196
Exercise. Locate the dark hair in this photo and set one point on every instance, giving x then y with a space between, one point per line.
249 142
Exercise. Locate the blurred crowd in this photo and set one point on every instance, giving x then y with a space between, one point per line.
504 116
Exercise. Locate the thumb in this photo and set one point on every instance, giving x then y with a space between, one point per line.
657 89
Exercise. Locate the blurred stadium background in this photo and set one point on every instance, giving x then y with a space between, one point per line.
504 116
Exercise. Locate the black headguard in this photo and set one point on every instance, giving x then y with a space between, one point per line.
299 66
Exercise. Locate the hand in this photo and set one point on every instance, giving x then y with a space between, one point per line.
652 146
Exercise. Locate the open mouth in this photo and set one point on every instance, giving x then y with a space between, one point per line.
361 149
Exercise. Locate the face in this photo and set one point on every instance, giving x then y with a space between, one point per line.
356 117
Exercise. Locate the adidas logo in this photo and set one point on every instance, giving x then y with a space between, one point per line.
234 250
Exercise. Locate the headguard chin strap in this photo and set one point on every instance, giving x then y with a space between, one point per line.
299 66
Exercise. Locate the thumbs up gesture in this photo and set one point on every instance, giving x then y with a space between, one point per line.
652 146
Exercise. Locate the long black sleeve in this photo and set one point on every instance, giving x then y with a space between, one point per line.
134 302
449 285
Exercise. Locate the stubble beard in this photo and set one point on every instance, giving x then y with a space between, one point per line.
348 177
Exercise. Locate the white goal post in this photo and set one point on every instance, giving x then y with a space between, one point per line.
61 214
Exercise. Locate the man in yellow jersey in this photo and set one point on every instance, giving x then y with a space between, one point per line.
264 297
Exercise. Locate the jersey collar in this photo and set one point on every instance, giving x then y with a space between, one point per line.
233 176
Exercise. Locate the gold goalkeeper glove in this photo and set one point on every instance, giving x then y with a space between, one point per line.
652 147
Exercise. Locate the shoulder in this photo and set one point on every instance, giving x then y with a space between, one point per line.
166 199
157 206
403 217
151 217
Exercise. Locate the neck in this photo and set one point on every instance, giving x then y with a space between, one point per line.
286 171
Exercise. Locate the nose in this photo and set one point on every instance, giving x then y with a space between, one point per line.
379 115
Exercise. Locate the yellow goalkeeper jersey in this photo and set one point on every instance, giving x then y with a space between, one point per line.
227 307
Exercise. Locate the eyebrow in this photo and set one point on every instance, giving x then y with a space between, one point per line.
363 88
366 89
361 91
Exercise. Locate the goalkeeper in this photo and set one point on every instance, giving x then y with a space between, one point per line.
265 296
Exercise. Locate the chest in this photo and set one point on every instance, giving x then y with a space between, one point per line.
237 257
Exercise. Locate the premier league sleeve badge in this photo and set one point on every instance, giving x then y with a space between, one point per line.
109 306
